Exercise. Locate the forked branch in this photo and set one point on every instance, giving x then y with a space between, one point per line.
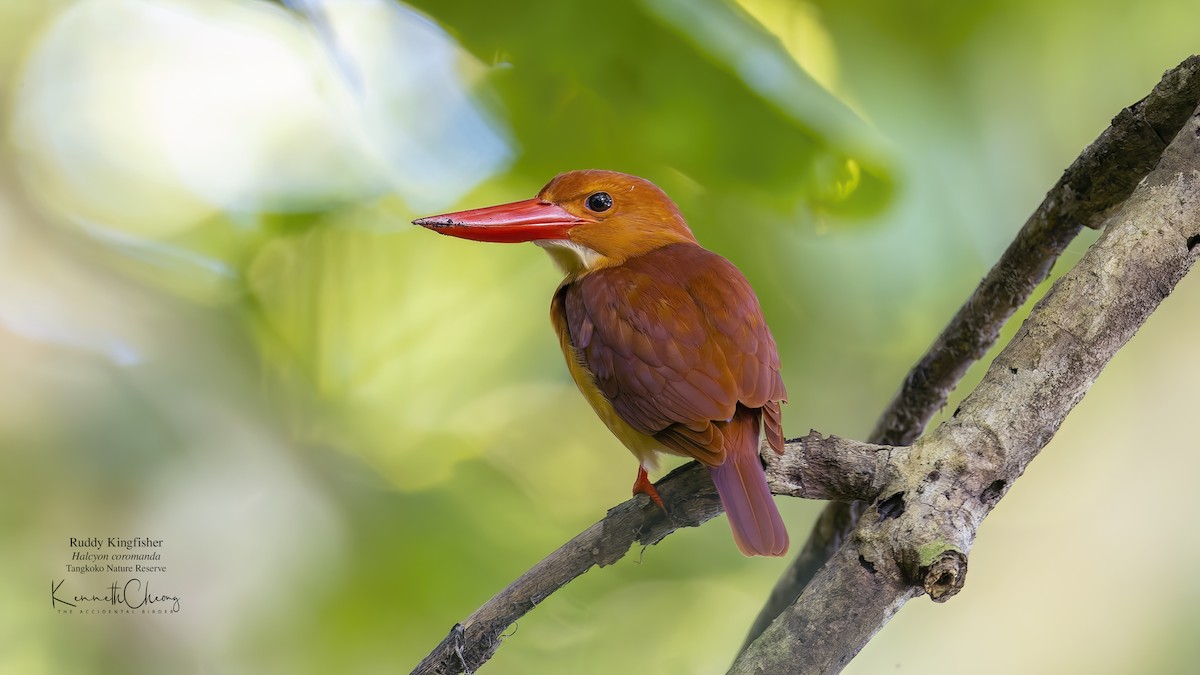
917 536
1099 180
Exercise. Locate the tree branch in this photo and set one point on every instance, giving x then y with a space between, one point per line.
1099 180
813 467
917 536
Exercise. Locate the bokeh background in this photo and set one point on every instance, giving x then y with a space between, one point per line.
218 329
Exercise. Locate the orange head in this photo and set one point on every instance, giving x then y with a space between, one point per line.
586 220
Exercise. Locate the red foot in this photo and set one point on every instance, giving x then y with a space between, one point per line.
644 486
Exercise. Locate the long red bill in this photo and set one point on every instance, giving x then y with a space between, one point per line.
526 220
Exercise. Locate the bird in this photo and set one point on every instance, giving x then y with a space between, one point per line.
665 339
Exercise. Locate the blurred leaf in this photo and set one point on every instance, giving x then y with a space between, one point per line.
367 327
698 87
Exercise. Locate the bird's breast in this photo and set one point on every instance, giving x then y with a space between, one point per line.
643 446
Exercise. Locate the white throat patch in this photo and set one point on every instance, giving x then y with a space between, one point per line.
570 257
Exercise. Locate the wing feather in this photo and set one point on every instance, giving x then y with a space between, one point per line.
676 340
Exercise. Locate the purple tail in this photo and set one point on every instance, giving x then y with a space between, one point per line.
757 527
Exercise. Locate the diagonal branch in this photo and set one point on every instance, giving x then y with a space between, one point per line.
813 467
918 536
1098 181
1095 184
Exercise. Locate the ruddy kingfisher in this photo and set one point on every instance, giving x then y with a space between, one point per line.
665 339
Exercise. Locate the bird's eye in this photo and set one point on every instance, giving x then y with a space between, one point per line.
599 201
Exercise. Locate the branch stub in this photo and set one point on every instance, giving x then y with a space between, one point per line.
945 577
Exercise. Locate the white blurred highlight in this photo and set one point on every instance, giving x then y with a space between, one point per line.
148 116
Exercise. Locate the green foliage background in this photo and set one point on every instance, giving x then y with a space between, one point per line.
217 328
